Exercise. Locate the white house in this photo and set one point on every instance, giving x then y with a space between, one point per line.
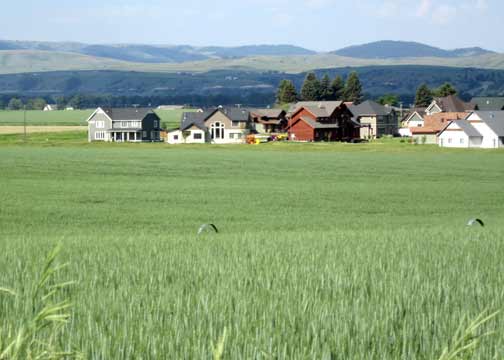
50 107
217 126
481 129
124 125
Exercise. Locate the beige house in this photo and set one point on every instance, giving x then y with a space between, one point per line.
217 126
376 120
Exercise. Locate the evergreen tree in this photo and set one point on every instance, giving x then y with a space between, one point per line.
388 99
326 92
337 88
15 104
353 89
36 104
445 90
423 96
311 88
286 92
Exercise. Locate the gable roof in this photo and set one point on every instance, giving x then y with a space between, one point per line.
268 113
318 108
494 120
198 118
451 103
466 127
438 121
489 103
370 107
195 118
128 113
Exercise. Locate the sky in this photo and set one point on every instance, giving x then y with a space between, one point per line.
321 25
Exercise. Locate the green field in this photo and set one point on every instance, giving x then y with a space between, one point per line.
169 118
325 251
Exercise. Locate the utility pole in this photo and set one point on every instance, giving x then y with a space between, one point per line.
24 122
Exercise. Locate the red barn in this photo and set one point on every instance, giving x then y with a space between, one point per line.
322 121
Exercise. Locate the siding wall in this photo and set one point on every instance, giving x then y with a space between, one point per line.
92 129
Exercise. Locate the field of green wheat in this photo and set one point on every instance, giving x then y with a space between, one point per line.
169 118
323 251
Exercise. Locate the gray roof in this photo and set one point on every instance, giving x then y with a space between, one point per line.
489 103
268 113
468 128
369 107
316 125
128 113
195 118
318 108
494 120
198 118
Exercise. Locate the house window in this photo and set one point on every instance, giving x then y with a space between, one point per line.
100 135
100 124
197 136
231 136
236 123
462 140
155 123
144 134
175 137
449 140
124 124
217 130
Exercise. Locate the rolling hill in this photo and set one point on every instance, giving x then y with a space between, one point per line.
389 49
34 61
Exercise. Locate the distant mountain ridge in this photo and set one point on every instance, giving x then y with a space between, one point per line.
389 49
143 53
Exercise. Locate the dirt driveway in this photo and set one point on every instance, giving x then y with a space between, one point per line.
39 129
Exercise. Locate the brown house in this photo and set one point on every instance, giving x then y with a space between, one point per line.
322 121
268 120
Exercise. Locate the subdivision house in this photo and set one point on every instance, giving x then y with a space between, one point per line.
480 129
217 126
488 103
268 121
432 125
451 103
322 121
375 119
124 125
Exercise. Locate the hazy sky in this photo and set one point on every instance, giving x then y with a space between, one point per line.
315 24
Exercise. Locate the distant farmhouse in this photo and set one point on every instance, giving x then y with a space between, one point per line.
322 121
51 107
480 129
375 119
124 125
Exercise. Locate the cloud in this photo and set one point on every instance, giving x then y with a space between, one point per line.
424 8
444 14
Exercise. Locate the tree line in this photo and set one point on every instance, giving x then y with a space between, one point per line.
425 95
324 89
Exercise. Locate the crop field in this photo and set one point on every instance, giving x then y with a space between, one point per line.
323 252
169 118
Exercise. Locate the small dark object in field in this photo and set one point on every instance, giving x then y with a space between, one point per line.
475 221
208 227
